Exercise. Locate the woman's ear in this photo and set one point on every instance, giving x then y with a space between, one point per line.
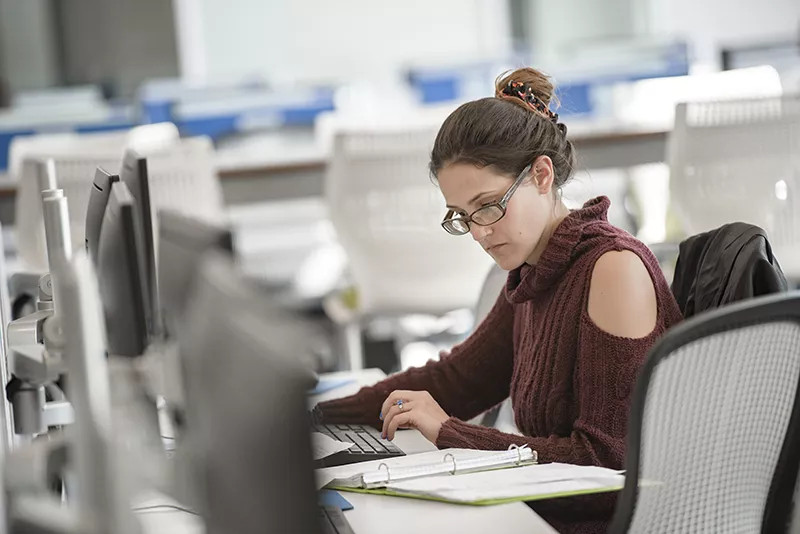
543 174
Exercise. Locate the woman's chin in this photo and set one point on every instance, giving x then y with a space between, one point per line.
505 262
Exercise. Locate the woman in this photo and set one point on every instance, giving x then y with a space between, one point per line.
583 303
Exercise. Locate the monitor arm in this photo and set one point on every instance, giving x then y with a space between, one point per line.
36 341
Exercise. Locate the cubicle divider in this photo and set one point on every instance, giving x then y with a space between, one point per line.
582 80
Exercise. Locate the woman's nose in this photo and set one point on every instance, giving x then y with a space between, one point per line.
479 232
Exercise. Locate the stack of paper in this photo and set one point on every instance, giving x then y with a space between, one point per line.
323 446
531 482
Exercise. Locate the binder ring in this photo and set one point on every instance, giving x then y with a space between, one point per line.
519 452
388 472
452 459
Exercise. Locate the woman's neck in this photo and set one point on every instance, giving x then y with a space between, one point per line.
560 212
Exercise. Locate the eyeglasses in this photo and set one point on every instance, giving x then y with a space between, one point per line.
485 215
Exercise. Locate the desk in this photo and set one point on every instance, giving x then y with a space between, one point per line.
396 515
276 166
282 165
599 146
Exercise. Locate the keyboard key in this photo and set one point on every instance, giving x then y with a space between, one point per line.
363 445
366 444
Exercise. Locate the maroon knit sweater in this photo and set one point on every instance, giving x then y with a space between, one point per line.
570 382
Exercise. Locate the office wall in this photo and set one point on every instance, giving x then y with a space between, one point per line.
333 40
709 24
27 44
556 26
119 42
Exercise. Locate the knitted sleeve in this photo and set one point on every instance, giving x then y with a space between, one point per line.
605 373
473 378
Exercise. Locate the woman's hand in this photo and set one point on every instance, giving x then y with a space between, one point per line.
417 410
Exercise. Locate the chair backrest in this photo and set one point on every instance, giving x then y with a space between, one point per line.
182 178
492 286
387 216
714 425
740 161
502 416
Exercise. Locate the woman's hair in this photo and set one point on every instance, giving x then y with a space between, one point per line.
507 131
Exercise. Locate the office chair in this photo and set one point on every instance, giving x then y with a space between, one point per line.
182 178
740 161
387 215
501 416
715 422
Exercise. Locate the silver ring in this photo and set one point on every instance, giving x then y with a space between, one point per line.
388 473
400 404
452 459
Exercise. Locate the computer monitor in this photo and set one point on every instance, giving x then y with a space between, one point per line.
120 272
246 440
182 242
134 174
98 200
103 499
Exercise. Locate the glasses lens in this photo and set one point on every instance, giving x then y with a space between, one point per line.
456 226
488 215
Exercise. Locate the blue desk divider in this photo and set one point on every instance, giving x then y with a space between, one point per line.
5 143
104 127
239 120
434 89
575 93
574 99
8 135
155 111
215 126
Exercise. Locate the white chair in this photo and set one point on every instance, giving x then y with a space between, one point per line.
387 216
502 416
714 427
740 161
182 178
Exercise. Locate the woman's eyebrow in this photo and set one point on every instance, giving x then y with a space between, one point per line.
476 197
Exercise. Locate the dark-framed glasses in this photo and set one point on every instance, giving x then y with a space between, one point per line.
456 224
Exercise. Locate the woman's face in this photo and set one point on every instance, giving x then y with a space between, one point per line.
514 239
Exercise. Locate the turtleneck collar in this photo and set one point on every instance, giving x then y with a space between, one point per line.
560 252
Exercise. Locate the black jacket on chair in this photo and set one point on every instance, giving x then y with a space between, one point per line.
733 262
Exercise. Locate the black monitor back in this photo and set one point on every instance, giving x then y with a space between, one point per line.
120 273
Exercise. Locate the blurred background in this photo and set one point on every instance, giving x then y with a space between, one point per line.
321 116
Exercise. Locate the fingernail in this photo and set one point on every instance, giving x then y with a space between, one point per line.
383 436
381 416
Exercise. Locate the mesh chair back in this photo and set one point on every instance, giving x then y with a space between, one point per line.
713 435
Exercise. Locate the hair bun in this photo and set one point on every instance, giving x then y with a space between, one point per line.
528 88
539 82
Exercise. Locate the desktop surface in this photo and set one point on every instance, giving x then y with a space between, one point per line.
419 516
380 513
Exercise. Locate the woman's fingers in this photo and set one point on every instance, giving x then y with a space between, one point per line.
394 411
395 396
403 419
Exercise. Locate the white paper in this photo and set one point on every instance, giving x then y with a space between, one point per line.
529 481
323 446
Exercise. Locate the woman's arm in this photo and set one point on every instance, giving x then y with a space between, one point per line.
473 378
616 331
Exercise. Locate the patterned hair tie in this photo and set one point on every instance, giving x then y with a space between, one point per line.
525 93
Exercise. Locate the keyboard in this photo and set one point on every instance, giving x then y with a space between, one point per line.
333 521
368 444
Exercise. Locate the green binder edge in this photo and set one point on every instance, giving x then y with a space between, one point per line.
486 502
